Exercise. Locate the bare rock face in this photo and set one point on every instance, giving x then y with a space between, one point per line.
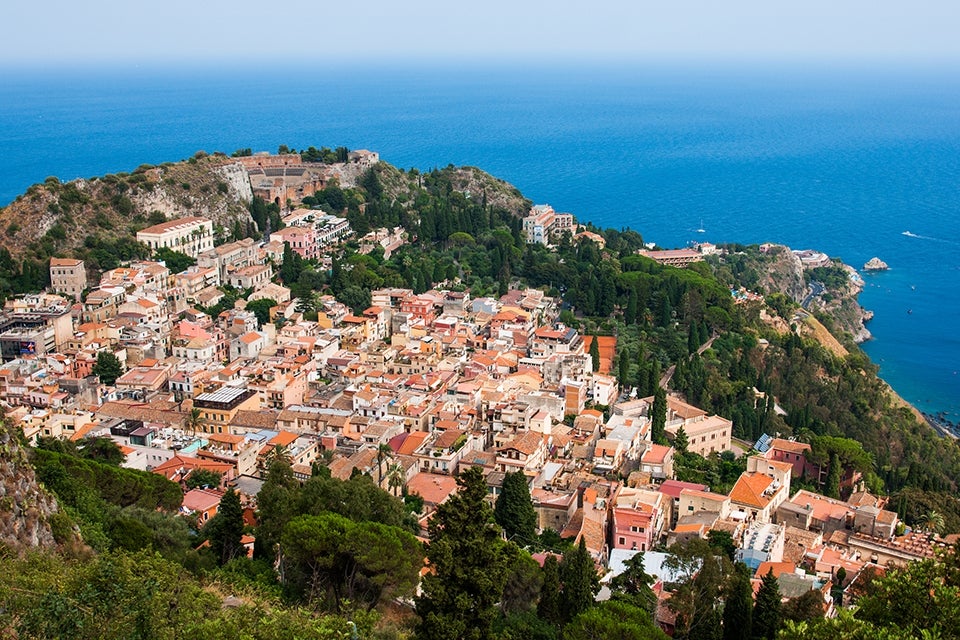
784 273
25 508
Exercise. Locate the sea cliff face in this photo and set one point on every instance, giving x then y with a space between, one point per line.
25 508
780 270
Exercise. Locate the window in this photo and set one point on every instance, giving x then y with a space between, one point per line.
623 540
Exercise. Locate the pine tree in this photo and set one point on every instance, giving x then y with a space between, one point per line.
226 529
514 510
469 558
766 611
578 574
659 416
738 609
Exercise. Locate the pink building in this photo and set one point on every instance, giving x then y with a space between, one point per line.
638 519
302 240
793 453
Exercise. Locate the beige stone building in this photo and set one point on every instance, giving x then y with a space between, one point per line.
68 276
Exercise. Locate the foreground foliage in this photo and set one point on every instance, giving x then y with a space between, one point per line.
141 595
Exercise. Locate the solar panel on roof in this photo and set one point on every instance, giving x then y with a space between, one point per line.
763 444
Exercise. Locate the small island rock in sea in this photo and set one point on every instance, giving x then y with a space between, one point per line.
875 264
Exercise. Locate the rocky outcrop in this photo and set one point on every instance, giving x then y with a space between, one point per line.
782 271
25 508
875 264
56 218
237 179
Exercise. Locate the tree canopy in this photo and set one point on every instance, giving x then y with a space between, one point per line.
107 367
514 510
470 562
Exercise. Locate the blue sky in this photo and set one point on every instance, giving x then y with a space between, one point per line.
71 32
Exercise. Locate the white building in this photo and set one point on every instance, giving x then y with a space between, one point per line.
192 235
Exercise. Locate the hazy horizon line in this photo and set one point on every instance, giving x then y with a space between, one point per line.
413 62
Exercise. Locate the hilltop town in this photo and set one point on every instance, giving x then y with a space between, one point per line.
220 368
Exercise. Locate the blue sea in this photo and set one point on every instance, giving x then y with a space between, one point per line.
854 161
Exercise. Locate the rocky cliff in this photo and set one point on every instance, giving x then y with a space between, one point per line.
26 510
780 270
56 218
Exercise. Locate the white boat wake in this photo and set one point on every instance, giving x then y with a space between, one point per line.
910 234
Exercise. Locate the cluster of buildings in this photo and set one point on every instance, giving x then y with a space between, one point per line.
309 232
283 178
543 225
444 380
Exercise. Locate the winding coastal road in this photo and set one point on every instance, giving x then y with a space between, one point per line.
816 288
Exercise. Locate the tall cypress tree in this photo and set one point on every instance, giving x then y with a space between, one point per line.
738 609
549 606
580 582
659 416
226 528
633 307
469 560
595 352
832 487
623 368
766 611
514 510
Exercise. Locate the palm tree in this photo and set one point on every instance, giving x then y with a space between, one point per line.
383 452
193 421
932 522
278 452
396 477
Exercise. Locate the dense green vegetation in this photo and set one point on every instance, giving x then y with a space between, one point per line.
124 595
115 508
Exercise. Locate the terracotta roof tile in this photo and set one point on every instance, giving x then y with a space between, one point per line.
749 490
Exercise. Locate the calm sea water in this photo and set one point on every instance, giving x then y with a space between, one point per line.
842 160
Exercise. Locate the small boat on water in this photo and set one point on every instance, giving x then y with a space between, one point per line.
701 229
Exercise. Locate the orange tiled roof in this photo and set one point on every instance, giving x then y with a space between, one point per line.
656 454
412 442
284 438
433 488
749 490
